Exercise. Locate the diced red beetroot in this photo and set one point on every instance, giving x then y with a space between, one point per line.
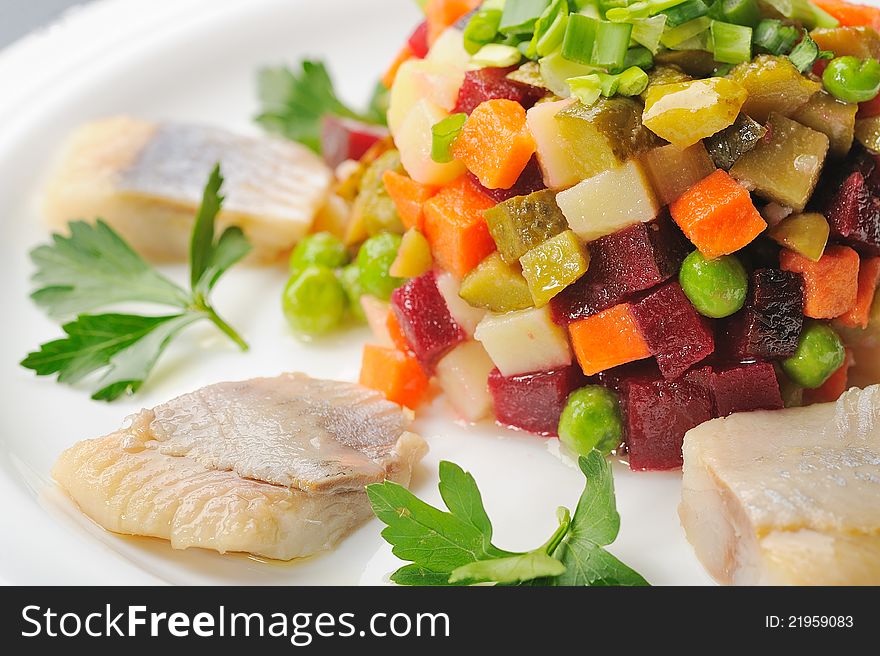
657 413
770 324
425 320
346 138
854 214
491 83
529 181
621 264
745 387
533 402
418 40
677 336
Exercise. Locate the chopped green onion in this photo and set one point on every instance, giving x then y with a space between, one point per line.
647 31
586 88
519 16
632 81
774 37
804 12
686 11
589 9
702 41
638 56
556 69
549 30
497 55
805 53
580 37
738 12
605 5
676 35
443 135
481 29
612 42
732 44
638 10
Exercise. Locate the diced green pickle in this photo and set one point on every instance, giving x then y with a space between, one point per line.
733 142
664 74
554 265
868 133
604 135
834 118
697 63
784 167
373 204
685 112
861 42
496 286
805 233
773 84
674 170
413 257
519 224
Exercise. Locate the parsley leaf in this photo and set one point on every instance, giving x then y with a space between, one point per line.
94 268
454 547
293 103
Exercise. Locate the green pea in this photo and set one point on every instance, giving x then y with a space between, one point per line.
716 288
819 354
374 260
591 420
350 277
314 301
321 248
851 79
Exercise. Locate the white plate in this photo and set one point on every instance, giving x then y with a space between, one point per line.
196 59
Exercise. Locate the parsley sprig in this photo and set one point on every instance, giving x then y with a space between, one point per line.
455 547
94 268
293 102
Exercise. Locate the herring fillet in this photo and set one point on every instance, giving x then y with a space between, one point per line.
146 180
789 497
270 466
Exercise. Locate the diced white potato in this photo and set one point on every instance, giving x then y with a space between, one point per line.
376 312
465 314
421 79
558 165
463 375
413 140
449 50
524 341
608 202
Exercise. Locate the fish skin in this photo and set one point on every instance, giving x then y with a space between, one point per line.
146 180
788 497
137 481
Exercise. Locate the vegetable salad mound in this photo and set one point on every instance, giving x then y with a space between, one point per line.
605 220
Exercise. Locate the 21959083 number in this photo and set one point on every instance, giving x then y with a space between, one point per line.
809 622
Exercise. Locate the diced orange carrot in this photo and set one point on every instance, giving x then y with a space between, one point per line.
717 215
395 374
869 279
830 285
396 333
409 196
441 14
834 387
404 54
455 227
495 143
850 13
607 339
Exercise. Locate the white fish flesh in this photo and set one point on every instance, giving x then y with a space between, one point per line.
146 180
790 497
270 466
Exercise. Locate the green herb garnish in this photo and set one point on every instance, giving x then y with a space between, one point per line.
455 546
293 103
94 268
